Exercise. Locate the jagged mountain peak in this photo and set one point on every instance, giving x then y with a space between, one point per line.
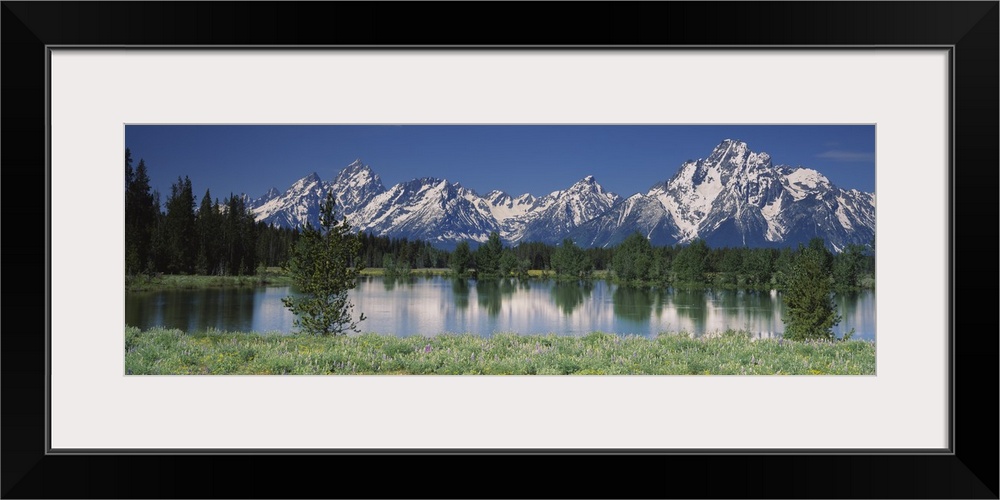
358 174
729 145
427 181
354 168
733 197
306 181
266 197
730 154
807 176
586 186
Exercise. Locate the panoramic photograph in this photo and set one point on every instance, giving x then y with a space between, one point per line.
499 250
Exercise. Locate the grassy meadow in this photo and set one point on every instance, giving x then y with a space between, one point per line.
160 351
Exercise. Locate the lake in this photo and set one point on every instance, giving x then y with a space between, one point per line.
429 306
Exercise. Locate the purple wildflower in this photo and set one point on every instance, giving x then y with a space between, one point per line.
427 348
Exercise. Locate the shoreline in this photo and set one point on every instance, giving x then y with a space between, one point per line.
143 283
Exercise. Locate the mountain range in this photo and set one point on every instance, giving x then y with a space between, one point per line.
732 197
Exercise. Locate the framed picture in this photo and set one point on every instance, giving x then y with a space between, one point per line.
927 86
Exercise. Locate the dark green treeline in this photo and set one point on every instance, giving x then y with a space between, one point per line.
185 237
636 261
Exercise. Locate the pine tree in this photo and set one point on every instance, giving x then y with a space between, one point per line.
239 237
508 263
140 217
633 259
571 262
690 262
159 253
847 267
810 311
181 234
488 257
132 264
321 266
461 259
731 264
129 173
757 267
209 227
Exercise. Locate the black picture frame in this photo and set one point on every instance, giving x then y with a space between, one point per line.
969 470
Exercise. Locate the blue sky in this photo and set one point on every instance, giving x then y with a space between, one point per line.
536 159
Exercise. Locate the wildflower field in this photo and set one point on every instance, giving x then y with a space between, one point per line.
160 351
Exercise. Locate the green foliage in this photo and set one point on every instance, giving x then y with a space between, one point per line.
511 265
209 226
731 266
663 258
508 262
141 213
325 265
394 267
461 259
415 254
571 262
238 237
848 266
633 259
274 243
538 254
810 311
757 267
689 266
488 257
179 225
217 239
784 266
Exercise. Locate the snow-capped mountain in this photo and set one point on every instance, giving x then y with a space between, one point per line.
297 206
734 197
268 196
427 209
355 187
556 215
435 209
512 214
638 212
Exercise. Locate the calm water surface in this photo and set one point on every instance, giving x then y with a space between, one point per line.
428 306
